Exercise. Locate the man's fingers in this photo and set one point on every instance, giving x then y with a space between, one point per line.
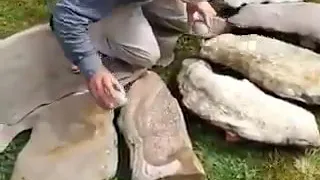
100 89
104 87
111 87
101 95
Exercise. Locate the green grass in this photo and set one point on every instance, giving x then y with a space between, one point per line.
20 14
221 160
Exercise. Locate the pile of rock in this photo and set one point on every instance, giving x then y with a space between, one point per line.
73 138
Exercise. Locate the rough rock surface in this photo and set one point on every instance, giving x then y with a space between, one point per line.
155 131
71 139
287 70
300 18
34 71
240 107
239 3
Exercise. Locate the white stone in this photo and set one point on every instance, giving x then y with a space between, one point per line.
154 129
300 18
287 70
239 3
240 107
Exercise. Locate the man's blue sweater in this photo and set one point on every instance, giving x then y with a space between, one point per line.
70 22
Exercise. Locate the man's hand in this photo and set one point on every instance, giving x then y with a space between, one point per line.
200 11
103 86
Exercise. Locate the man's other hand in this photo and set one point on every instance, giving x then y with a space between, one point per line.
200 11
103 86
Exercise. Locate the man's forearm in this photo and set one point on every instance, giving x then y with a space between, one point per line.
71 32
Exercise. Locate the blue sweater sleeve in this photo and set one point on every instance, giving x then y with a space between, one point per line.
70 21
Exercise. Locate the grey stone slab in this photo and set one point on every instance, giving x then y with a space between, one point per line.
35 72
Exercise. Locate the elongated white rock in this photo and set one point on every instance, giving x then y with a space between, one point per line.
239 3
242 108
285 69
71 139
301 18
154 128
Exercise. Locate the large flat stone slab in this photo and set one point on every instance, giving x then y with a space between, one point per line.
287 70
71 139
155 131
35 72
238 106
300 18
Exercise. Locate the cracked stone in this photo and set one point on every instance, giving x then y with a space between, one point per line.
238 106
35 73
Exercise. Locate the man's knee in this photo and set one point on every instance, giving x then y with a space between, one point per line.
145 57
170 14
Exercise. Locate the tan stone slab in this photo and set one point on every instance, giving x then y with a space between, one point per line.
287 70
238 106
72 139
300 18
154 128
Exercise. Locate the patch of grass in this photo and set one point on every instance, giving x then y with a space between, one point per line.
20 14
9 155
314 1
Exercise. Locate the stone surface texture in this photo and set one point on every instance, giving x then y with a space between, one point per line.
72 139
287 70
239 3
242 108
154 128
300 18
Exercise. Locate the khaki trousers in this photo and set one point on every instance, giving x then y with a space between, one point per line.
141 34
